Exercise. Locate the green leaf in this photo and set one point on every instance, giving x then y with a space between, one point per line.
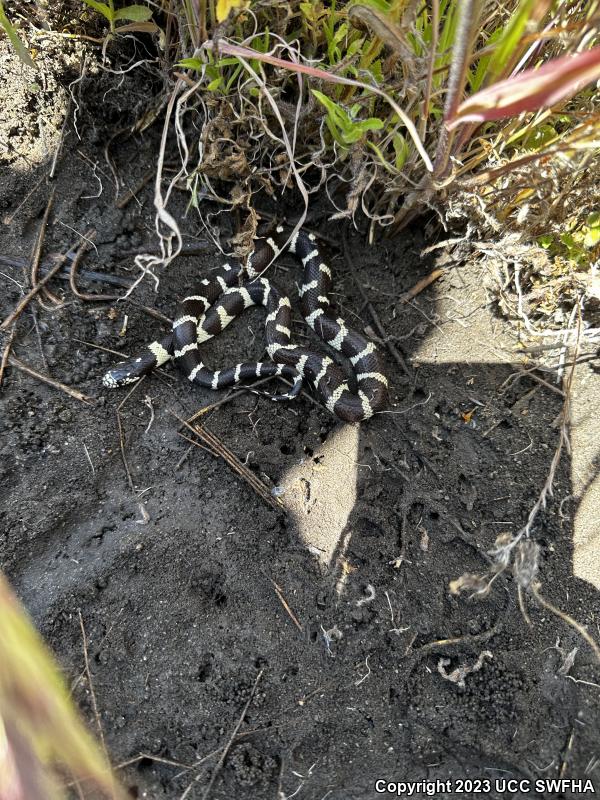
381 157
234 76
354 47
477 76
18 45
401 149
135 13
509 41
329 104
101 8
359 129
592 230
370 124
447 37
378 5
191 63
376 70
574 249
334 131
593 221
540 137
347 130
333 51
227 62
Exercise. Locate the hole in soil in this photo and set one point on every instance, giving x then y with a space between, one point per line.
309 451
434 515
287 449
205 668
415 513
144 763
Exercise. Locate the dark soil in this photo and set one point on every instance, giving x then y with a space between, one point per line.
174 575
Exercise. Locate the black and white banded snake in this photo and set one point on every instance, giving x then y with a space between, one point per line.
236 287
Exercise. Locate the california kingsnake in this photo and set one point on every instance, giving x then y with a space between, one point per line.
200 317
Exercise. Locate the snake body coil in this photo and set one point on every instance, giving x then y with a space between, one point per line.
200 317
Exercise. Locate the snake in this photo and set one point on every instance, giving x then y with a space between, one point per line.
236 286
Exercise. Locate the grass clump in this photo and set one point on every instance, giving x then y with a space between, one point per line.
333 70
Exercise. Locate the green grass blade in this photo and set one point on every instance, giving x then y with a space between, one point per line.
101 8
17 44
508 42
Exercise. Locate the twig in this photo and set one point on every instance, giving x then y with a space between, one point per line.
468 638
420 285
86 296
99 347
185 456
284 603
125 199
374 315
530 373
152 312
122 435
8 220
89 275
5 354
122 447
227 747
15 362
565 763
217 448
195 249
61 140
36 255
581 630
522 606
228 398
32 293
159 760
251 388
90 684
563 444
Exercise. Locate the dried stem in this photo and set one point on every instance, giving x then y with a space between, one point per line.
37 250
32 293
219 449
231 739
470 12
581 630
15 362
